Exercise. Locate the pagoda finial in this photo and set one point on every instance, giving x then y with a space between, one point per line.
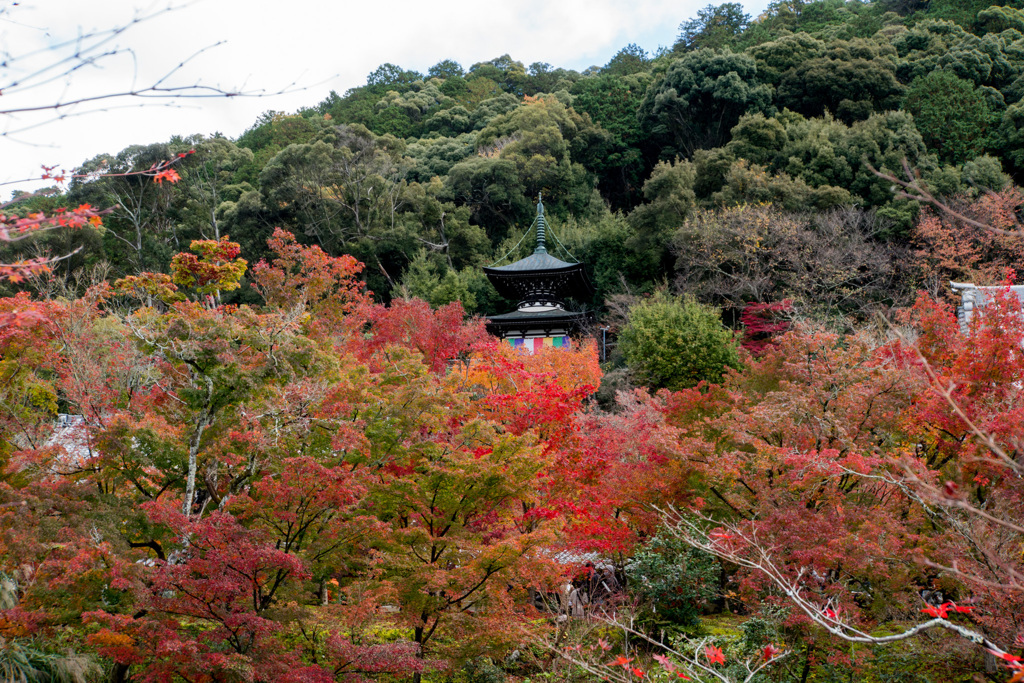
541 227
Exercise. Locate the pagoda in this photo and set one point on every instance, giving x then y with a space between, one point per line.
542 284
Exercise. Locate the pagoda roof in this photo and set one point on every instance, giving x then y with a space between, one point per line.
554 315
528 284
556 318
534 262
540 276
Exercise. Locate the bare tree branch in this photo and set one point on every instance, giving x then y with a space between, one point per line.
915 189
98 49
743 548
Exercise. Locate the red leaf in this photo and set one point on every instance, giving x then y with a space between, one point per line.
714 654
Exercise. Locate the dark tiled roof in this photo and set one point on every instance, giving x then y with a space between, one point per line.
552 315
540 278
520 321
533 262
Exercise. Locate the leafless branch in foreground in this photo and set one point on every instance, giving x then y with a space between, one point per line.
696 665
745 549
96 50
914 188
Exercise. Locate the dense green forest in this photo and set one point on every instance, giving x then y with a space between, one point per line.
657 169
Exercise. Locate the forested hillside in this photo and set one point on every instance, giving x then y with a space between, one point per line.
252 428
651 165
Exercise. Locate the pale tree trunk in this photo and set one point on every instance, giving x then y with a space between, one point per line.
204 420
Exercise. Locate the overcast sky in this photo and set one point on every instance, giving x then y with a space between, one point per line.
319 45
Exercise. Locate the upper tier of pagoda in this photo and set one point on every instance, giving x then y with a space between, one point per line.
541 281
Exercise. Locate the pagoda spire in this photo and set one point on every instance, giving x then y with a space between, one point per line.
541 227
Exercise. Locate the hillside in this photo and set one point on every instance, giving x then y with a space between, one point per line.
646 164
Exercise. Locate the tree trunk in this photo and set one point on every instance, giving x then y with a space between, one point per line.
202 422
119 674
807 664
417 632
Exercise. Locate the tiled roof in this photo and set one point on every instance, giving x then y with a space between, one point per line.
534 261
973 297
556 314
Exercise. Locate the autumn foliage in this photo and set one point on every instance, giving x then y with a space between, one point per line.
15 227
247 488
951 248
318 487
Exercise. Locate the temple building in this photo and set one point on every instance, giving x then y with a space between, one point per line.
974 298
541 284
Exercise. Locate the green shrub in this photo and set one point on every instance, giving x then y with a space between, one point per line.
483 670
675 343
676 581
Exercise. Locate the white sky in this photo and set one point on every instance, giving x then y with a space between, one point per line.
321 45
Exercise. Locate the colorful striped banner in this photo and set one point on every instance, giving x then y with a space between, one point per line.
534 344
